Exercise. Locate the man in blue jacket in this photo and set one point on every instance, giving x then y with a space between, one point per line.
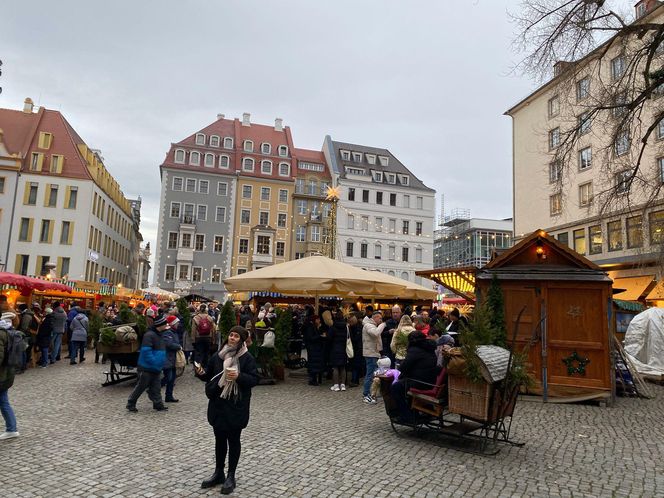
150 363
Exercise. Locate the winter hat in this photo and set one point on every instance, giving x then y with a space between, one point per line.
172 320
384 363
149 312
48 310
241 331
160 321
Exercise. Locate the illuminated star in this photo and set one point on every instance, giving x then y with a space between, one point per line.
332 193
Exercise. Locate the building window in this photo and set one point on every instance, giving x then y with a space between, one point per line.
583 123
420 202
554 138
190 185
595 237
56 163
283 195
580 240
585 158
299 255
202 212
384 160
216 276
265 193
301 206
186 240
351 222
175 209
363 250
404 254
418 254
224 162
623 181
248 146
284 169
365 196
266 148
617 67
371 158
247 191
266 167
554 106
36 162
218 243
264 218
196 274
247 164
614 235
245 216
220 214
199 242
45 233
183 274
357 157
404 275
621 144
203 186
32 194
555 171
656 227
241 271
405 227
169 273
200 139
634 232
418 228
378 249
209 160
582 88
263 244
281 220
660 163
228 143
392 252
351 194
379 224
64 267
406 201
349 249
188 213
393 225
177 183
301 233
393 199
391 178
585 194
379 197
563 238
315 233
365 223
25 230
555 204
214 141
244 246
194 158
52 196
283 150
281 249
377 175
405 180
345 155
222 188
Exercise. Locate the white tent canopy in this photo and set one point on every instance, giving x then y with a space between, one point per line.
644 341
160 292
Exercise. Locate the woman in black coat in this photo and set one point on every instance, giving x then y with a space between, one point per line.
43 339
357 363
314 342
338 333
230 375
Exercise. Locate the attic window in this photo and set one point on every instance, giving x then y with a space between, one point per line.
214 141
391 178
228 143
345 155
283 150
266 148
248 146
384 160
371 158
357 157
354 171
405 180
200 139
378 176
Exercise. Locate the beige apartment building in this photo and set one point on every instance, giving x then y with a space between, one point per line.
568 199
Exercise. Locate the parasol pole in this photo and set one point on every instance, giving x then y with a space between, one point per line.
316 303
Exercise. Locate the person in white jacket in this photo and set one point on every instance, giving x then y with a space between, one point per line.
371 346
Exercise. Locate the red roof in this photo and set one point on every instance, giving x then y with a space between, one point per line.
18 128
313 156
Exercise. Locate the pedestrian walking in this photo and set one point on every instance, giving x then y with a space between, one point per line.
172 344
59 327
150 363
7 373
43 339
230 375
338 335
79 337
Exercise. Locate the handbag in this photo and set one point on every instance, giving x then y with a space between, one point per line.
350 353
268 339
180 360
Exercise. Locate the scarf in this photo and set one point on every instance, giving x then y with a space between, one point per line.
230 357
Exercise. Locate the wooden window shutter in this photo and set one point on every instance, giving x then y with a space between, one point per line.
67 196
70 238
17 265
30 226
26 193
38 266
51 225
58 268
47 194
45 140
40 161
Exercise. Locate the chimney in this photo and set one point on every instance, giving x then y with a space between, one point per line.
220 117
28 105
246 119
560 67
278 124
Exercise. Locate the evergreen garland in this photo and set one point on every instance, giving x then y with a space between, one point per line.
282 332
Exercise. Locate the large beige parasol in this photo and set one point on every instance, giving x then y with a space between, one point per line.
411 290
315 276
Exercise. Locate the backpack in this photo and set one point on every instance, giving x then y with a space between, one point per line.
204 326
15 348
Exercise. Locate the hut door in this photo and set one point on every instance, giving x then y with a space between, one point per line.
515 299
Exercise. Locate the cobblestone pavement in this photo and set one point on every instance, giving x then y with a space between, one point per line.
78 440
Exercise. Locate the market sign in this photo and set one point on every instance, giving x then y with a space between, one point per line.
83 286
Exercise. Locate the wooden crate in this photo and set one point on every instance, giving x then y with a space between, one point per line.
468 398
130 347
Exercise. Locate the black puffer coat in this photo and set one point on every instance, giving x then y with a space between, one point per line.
230 414
44 332
420 364
314 343
338 333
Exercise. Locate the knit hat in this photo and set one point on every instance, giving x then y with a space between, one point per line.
172 320
48 310
384 362
241 331
160 321
149 312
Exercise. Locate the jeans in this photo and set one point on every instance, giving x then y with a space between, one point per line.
57 347
169 382
43 361
371 363
150 381
74 347
7 412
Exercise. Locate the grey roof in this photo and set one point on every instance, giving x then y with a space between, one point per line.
394 165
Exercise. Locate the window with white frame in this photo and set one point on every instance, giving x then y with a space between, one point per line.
175 209
283 195
245 216
371 158
281 220
179 156
224 161
247 191
215 278
201 212
266 167
378 251
169 273
203 186
265 193
351 222
185 240
365 223
220 214
301 206
585 158
324 186
357 157
345 155
418 254
555 204
404 179
391 178
266 148
384 160
243 247
585 193
247 164
222 188
214 141
354 171
263 244
556 170
189 210
660 165
418 228
300 233
554 138
228 143
379 224
284 169
393 225
622 143
391 252
194 158
315 233
583 123
582 88
199 242
283 150
190 185
177 183
660 129
200 139
218 243
406 227
406 201
554 106
617 67
420 202
248 146
209 160
310 166
172 240
264 218
280 249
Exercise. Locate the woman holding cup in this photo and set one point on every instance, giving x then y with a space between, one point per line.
230 375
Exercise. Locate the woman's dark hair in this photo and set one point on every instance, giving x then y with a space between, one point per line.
339 315
455 312
416 336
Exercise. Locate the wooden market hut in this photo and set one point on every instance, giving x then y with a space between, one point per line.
565 325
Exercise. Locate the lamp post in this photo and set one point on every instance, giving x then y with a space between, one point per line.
331 242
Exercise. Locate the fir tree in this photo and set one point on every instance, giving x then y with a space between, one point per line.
496 305
183 309
226 319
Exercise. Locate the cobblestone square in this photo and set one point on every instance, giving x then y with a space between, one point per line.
78 440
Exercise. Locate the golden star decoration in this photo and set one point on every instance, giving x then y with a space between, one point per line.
332 193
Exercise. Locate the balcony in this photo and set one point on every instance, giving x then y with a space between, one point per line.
187 221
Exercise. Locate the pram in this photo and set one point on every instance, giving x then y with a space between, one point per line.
294 358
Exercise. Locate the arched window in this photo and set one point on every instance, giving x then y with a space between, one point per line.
266 148
283 150
214 141
224 162
194 158
404 275
179 156
266 167
391 273
248 146
209 160
247 164
284 169
228 143
200 138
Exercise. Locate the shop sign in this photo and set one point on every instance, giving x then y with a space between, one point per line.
93 256
83 286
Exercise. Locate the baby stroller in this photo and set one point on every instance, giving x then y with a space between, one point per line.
294 358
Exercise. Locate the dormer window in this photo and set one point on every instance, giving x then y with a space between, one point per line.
283 150
345 155
214 141
266 148
179 156
200 138
224 162
378 176
354 171
284 169
371 158
228 143
357 157
384 160
266 167
248 146
247 164
404 180
194 158
209 160
391 178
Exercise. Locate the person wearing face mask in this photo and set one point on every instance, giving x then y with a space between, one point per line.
229 377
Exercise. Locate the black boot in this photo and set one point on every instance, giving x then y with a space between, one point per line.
217 478
160 408
229 484
131 408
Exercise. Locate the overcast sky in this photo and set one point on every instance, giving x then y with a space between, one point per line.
428 80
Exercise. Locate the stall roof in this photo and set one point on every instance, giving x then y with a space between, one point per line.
461 281
635 287
657 293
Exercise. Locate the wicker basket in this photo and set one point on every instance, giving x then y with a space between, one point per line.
468 398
